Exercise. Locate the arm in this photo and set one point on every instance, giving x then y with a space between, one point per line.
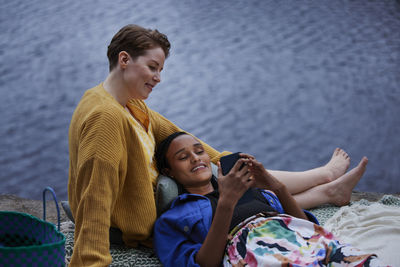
93 188
212 250
264 180
231 188
178 235
92 217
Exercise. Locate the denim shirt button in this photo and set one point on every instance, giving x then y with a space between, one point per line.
186 228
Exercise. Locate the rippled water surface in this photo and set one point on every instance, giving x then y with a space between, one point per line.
287 81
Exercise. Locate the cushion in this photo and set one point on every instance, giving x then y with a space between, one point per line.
167 190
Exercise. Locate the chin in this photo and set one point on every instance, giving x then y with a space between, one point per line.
205 176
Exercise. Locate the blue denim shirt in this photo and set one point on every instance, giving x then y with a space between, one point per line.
180 231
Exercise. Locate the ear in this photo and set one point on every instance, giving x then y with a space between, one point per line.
123 59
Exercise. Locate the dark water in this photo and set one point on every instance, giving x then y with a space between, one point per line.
287 81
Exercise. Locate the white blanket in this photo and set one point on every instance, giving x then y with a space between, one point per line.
374 229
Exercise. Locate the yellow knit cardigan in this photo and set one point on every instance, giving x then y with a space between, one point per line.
109 181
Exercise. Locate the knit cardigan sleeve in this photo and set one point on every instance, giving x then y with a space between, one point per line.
162 128
101 151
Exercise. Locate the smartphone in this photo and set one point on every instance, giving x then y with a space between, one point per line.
228 161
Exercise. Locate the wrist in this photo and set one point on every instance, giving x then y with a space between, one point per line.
226 203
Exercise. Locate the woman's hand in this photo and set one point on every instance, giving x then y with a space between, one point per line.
262 178
232 186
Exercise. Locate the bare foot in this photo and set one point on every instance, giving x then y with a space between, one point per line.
338 164
339 191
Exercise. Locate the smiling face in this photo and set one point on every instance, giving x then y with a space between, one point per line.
189 163
142 74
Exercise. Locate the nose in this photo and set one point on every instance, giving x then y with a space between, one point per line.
157 77
195 157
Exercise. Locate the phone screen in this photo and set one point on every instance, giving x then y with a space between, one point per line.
228 161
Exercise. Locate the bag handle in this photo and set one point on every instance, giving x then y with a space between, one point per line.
48 188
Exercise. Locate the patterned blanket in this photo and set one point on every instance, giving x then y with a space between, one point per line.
124 256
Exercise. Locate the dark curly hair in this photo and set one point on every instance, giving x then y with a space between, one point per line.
135 40
162 149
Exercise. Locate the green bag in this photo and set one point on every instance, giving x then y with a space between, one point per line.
28 241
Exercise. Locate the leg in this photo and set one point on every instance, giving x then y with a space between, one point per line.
297 182
337 192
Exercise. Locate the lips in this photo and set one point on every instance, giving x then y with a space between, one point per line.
150 86
199 167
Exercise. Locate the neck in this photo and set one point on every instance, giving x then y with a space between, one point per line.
115 87
200 189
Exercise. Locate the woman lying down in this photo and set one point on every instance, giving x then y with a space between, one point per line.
246 217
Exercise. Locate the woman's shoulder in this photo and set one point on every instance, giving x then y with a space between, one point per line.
97 103
186 214
96 112
100 97
187 204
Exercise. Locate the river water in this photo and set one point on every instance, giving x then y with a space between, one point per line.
287 81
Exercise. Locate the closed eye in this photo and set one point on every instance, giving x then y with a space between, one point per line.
183 157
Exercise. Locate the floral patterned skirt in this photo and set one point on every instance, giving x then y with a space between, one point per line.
284 240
